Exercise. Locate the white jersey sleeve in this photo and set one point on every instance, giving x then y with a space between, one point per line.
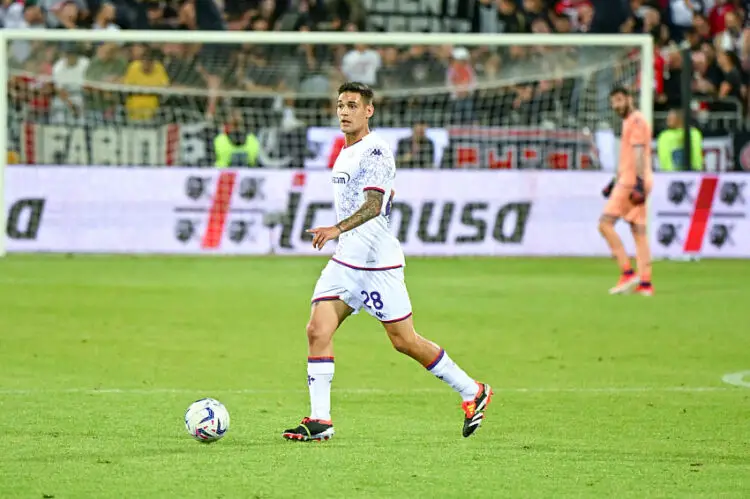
369 166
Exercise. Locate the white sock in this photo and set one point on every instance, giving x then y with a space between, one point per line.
319 378
445 369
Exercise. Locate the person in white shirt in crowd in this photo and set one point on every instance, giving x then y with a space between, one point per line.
362 64
69 76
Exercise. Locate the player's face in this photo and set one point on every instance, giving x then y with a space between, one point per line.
352 112
620 104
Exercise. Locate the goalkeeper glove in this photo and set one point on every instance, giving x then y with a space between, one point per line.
608 189
638 194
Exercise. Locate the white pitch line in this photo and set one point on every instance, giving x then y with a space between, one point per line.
738 379
364 391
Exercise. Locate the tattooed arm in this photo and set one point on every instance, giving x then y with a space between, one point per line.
369 210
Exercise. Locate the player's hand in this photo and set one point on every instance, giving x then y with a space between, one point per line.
608 189
638 194
321 235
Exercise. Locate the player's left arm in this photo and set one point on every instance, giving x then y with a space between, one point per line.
639 155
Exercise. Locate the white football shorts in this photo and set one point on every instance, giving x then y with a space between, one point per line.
382 293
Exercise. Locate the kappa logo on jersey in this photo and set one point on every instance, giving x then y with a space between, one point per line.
376 152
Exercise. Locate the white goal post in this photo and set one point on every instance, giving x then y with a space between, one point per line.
640 72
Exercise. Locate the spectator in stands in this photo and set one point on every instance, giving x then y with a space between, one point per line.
105 17
500 16
461 81
731 85
681 13
32 92
730 40
705 82
26 15
69 76
652 23
107 66
63 14
315 14
420 68
416 151
361 64
571 10
389 75
179 60
670 144
562 24
144 72
259 74
534 9
693 39
716 16
235 146
348 12
155 15
313 64
702 28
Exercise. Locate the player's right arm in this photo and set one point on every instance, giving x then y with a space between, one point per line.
377 170
369 210
639 138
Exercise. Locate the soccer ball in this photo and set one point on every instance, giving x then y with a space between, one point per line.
207 420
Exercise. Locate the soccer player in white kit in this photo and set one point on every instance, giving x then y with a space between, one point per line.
367 272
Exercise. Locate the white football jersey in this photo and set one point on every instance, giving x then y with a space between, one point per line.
366 165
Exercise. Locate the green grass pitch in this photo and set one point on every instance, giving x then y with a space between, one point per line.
596 396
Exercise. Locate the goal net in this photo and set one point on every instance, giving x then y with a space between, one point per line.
118 98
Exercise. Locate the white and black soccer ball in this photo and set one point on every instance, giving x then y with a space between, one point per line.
207 420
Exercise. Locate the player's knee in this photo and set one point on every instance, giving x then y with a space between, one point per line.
317 333
605 224
404 344
401 345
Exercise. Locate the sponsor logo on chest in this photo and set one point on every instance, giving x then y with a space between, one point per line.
340 178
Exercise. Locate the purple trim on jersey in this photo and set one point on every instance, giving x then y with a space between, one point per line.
435 362
326 298
397 320
368 269
360 140
379 189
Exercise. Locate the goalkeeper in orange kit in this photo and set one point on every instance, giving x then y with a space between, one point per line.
626 196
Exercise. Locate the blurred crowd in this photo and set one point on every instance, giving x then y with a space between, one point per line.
293 83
